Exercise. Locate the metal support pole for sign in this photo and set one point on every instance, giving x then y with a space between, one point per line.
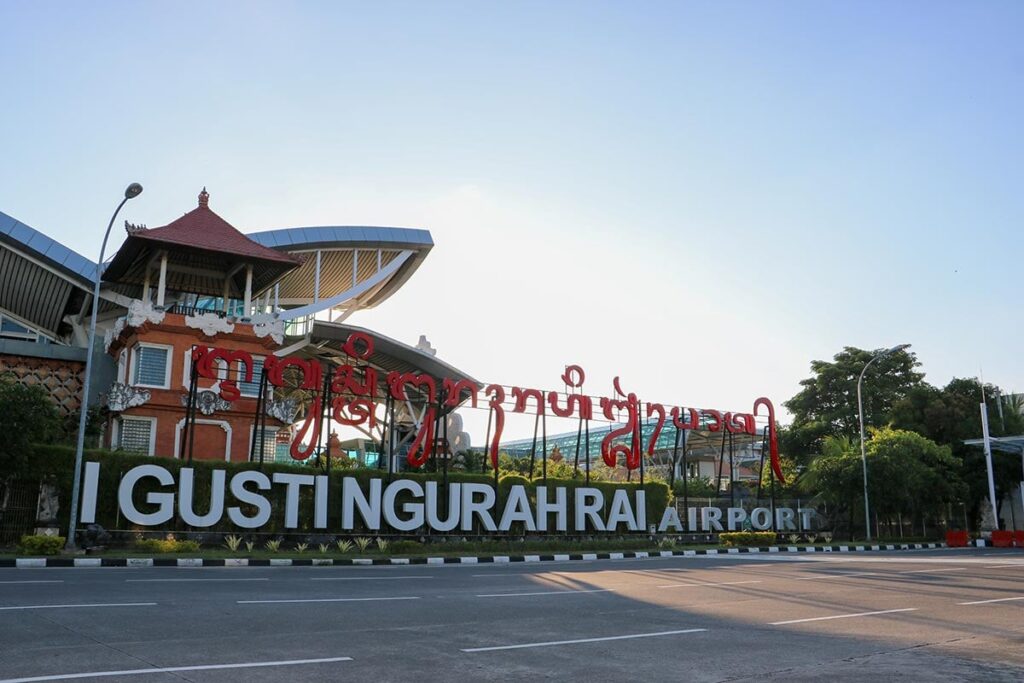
265 385
686 476
771 473
192 410
760 470
444 456
190 399
587 447
384 436
639 442
437 431
544 444
487 442
533 446
675 461
732 474
320 436
579 433
328 400
721 459
257 433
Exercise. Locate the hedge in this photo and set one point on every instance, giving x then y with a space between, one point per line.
748 538
55 463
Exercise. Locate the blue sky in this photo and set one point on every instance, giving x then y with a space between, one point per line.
700 197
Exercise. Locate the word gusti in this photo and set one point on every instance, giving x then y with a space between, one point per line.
404 504
354 402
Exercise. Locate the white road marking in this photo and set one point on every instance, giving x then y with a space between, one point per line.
37 581
579 640
368 578
724 583
96 604
274 602
189 580
171 669
1001 566
569 592
985 602
836 576
842 616
930 571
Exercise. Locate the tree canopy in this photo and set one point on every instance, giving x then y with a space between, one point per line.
827 403
27 416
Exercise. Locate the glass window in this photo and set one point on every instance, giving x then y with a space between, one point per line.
251 389
150 366
268 447
135 435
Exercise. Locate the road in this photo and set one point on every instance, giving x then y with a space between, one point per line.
947 615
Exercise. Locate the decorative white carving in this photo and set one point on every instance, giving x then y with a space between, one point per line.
122 397
141 312
207 402
283 409
424 346
268 324
209 324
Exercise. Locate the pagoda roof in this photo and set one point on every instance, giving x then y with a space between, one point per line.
206 249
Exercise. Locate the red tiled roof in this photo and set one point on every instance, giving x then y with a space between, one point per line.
201 228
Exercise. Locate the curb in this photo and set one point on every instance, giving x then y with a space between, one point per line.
37 562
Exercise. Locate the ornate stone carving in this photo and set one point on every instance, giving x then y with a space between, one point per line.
424 346
210 324
47 505
141 312
283 410
122 397
207 402
113 333
268 324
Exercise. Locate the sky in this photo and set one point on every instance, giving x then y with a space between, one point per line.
700 198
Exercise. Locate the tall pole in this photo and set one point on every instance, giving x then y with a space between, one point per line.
988 464
133 190
860 417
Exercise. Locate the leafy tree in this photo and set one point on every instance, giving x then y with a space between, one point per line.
907 474
27 416
827 403
951 416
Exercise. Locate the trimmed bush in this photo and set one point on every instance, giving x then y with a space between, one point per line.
166 545
747 538
41 545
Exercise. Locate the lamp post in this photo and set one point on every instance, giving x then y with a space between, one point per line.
860 415
132 191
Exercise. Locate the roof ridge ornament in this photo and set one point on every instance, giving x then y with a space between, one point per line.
204 197
132 228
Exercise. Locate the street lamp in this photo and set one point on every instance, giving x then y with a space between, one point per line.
132 191
860 415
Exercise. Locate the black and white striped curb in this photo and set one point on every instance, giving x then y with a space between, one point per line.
29 562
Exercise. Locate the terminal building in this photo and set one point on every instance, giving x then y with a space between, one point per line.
200 281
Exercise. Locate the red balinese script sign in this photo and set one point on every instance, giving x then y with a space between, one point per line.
354 402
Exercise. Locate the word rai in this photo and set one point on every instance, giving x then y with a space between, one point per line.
355 393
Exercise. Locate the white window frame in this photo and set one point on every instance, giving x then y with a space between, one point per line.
269 431
167 370
116 435
122 366
239 376
223 424
186 371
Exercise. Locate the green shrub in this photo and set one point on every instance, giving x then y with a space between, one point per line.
166 545
747 538
40 545
406 547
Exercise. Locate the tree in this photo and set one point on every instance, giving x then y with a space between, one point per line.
827 403
951 416
27 416
908 474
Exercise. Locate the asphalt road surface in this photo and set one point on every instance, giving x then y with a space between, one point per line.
949 615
